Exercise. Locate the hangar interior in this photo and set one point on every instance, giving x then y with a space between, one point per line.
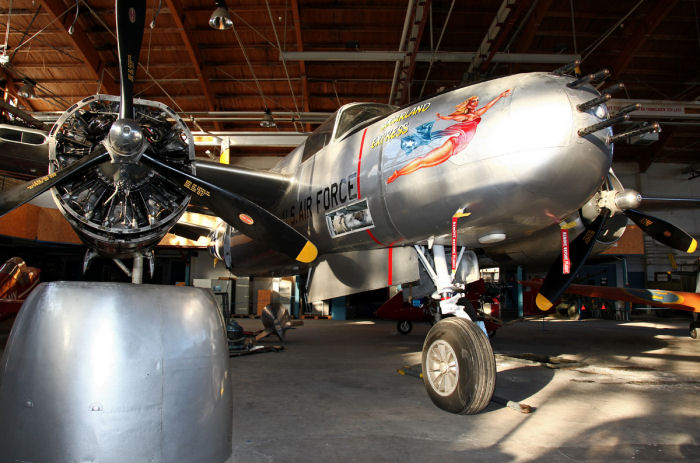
252 86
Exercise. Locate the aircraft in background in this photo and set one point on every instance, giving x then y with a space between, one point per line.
372 194
24 151
680 300
17 280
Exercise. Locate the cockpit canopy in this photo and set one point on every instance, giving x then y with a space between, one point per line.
343 122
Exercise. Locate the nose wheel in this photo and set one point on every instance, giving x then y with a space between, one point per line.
459 369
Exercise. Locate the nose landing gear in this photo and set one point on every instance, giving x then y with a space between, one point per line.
459 368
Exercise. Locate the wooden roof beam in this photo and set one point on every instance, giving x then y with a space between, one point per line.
302 65
641 32
653 153
533 25
82 44
402 92
177 14
12 86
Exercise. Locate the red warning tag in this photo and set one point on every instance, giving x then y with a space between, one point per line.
565 259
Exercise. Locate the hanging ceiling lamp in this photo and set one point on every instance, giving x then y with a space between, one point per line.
220 19
27 89
268 121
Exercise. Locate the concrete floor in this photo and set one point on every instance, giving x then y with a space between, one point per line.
334 395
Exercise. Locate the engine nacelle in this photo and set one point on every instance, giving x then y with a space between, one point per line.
120 209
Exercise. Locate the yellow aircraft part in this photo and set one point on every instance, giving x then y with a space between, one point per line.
542 302
308 253
225 157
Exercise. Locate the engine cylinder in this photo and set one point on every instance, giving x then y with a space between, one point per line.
120 208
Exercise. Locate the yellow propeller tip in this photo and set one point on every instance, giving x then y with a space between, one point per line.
693 246
543 303
308 253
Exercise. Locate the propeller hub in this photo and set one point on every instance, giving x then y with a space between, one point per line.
125 142
628 199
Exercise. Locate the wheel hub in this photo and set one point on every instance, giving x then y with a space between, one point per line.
443 370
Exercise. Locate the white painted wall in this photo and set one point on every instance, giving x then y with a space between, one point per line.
664 180
202 266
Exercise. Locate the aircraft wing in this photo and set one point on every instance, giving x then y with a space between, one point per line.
264 188
690 302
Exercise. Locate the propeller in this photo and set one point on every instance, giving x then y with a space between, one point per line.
27 191
130 15
580 248
127 146
662 231
556 283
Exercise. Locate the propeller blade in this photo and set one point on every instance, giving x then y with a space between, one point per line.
27 191
580 248
662 231
244 215
131 15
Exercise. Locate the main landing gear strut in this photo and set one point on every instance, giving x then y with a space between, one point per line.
459 368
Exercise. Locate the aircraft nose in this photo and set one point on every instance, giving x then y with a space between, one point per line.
547 155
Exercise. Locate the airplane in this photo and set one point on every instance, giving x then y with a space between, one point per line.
372 194
17 280
679 300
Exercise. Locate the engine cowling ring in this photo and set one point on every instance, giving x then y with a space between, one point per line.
120 208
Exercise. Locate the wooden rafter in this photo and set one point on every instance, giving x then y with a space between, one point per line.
82 44
655 150
514 14
11 85
177 15
302 66
420 16
641 32
528 35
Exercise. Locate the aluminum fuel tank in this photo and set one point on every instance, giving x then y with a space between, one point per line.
112 372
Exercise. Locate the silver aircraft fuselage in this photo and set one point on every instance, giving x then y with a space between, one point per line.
511 158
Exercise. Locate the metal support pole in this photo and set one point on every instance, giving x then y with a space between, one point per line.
519 277
443 275
137 270
426 264
123 268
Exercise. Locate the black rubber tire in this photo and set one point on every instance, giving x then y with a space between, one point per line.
476 366
404 326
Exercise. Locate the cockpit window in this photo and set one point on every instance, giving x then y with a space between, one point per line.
319 138
347 117
355 114
21 136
